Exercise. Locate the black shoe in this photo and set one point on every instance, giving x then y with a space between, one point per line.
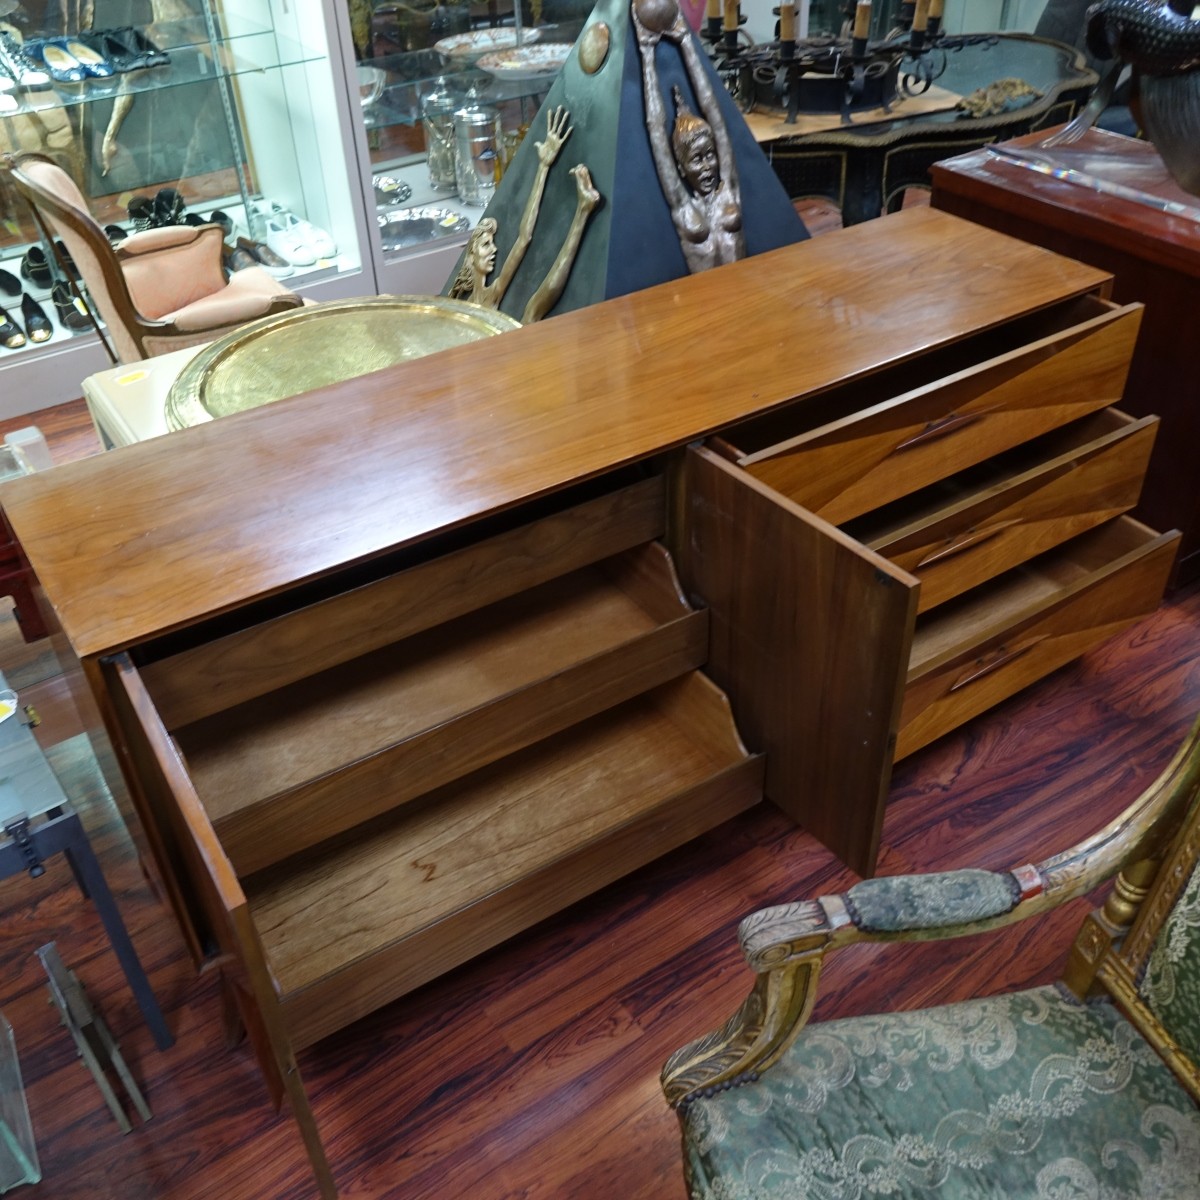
36 269
129 49
168 207
217 217
11 337
141 213
69 314
37 324
65 258
10 285
115 234
193 219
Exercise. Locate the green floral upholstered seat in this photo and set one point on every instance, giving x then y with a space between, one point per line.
1036 1095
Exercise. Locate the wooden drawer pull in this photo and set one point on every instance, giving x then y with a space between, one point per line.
1003 657
972 537
940 428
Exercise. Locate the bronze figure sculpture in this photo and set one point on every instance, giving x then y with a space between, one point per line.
479 258
696 166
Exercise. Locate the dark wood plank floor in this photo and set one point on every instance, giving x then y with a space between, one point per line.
531 1072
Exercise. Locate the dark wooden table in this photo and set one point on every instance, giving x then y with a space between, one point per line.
1154 257
865 167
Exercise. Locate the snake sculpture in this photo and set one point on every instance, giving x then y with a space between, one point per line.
1163 48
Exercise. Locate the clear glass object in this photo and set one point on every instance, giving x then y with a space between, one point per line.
478 145
18 1155
1108 162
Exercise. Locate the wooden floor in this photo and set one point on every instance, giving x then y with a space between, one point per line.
531 1072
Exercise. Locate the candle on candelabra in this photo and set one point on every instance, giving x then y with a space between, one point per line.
712 14
787 21
921 16
731 16
862 20
937 9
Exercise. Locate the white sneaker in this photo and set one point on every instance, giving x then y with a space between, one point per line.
288 245
317 240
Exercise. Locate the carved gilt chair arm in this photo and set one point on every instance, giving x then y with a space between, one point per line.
785 945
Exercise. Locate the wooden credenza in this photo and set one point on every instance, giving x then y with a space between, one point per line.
401 667
1154 257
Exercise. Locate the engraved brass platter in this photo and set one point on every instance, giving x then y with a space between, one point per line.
320 344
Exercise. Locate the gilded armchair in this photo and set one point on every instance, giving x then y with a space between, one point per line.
1086 1090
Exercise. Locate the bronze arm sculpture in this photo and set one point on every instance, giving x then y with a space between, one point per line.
696 166
479 258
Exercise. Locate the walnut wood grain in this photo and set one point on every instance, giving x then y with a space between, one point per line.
534 1067
1154 257
229 670
865 460
969 656
811 632
163 533
1006 516
407 897
288 771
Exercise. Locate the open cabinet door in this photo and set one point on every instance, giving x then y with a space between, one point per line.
810 637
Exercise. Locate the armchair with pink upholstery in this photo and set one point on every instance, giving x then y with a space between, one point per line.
162 289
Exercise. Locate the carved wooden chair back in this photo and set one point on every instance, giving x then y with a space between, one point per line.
161 289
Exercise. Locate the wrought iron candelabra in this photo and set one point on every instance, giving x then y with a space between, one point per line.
844 72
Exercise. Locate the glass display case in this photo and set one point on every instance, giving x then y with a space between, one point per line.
175 112
417 66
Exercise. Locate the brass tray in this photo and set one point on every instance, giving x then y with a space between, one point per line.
307 348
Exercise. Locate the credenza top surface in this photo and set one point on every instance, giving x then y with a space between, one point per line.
153 537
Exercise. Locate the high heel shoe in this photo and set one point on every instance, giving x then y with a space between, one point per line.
11 337
141 213
37 324
10 285
70 316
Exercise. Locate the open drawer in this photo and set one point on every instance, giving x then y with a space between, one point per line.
290 768
816 636
353 924
970 654
965 530
428 787
903 442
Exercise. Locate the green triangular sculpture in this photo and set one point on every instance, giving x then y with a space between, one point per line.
631 240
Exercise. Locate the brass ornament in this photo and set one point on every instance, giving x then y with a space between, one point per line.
594 43
695 161
311 347
479 257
